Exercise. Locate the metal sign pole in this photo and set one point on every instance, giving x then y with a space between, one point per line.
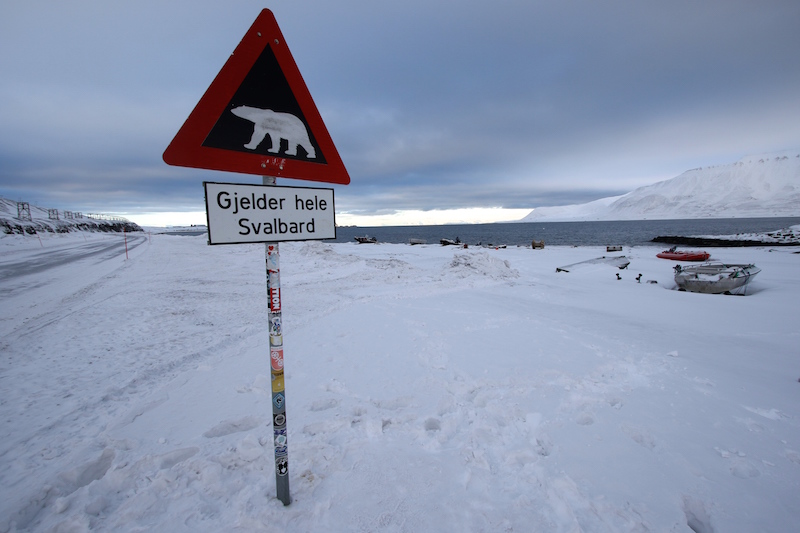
276 365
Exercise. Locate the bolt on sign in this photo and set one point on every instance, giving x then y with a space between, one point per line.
258 117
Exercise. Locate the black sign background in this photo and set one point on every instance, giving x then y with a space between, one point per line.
264 87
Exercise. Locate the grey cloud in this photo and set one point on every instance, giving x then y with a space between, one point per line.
431 104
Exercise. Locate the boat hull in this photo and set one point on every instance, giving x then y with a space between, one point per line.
715 278
619 261
684 256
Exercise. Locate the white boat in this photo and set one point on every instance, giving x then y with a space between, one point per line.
619 261
715 277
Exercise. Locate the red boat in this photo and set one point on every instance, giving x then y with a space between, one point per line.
676 255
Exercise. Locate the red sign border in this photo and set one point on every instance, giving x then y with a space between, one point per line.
187 149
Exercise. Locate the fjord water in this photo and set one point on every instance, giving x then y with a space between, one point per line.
594 233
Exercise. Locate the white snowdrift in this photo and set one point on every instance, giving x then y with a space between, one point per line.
428 389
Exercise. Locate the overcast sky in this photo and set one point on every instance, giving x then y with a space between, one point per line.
433 105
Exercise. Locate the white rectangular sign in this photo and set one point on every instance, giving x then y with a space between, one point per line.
240 213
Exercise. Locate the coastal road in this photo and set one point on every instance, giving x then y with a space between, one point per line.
60 254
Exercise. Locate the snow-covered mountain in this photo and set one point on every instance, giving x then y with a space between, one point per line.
754 186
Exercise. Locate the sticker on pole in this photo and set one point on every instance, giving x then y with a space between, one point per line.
240 214
258 117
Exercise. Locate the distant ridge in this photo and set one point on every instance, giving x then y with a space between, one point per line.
755 186
39 219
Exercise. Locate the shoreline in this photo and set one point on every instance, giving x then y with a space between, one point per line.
711 242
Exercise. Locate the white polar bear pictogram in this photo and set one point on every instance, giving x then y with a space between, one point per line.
278 126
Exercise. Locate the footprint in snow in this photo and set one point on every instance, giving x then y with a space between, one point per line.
228 427
84 474
793 456
170 459
324 404
433 424
697 516
744 469
640 436
771 414
739 466
393 404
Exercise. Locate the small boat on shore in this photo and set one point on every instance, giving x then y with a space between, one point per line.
683 255
366 239
715 277
412 241
450 242
619 261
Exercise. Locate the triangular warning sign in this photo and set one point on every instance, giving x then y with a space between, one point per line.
257 117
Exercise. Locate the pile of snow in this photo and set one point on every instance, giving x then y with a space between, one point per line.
755 186
428 388
481 264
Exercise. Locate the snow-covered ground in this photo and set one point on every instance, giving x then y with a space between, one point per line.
786 236
428 389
